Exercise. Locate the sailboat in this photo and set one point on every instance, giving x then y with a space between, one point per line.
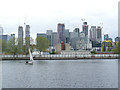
31 58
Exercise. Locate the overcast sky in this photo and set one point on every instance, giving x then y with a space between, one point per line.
44 15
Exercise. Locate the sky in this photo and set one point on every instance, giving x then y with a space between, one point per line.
44 15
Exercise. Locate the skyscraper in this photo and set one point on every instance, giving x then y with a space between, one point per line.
61 29
20 36
67 36
99 34
49 36
85 28
93 34
27 35
77 30
27 31
55 38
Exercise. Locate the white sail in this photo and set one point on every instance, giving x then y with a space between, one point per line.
31 58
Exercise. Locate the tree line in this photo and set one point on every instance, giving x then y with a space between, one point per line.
15 46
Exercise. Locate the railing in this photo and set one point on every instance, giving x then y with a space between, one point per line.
65 56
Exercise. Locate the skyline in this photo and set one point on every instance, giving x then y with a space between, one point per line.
42 16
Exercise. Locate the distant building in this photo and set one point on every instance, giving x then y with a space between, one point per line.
27 31
99 34
67 46
117 39
49 37
77 30
49 32
55 38
5 38
61 29
41 35
20 36
93 34
12 36
85 28
96 36
106 36
106 45
67 36
109 39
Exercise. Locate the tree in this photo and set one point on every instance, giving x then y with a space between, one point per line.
42 44
12 47
117 48
3 45
20 45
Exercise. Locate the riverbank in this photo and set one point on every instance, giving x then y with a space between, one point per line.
61 57
58 58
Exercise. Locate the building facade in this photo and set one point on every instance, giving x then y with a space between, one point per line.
55 38
85 28
20 36
61 29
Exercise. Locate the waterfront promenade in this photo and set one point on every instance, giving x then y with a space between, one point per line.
61 57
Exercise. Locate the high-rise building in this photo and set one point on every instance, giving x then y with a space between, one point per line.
77 30
41 35
49 36
85 28
67 36
27 31
99 34
20 36
49 32
5 38
27 35
61 29
106 36
93 34
55 39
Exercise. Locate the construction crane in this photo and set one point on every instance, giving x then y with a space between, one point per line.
83 20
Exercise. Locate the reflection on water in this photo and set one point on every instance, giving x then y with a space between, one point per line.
61 74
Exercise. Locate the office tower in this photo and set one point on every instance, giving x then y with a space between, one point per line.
67 36
41 35
27 31
61 29
5 38
49 32
20 36
49 36
85 28
55 38
106 36
93 34
77 30
27 35
99 34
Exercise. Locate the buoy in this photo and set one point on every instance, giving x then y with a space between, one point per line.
26 61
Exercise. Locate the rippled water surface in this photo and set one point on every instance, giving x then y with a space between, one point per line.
60 74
